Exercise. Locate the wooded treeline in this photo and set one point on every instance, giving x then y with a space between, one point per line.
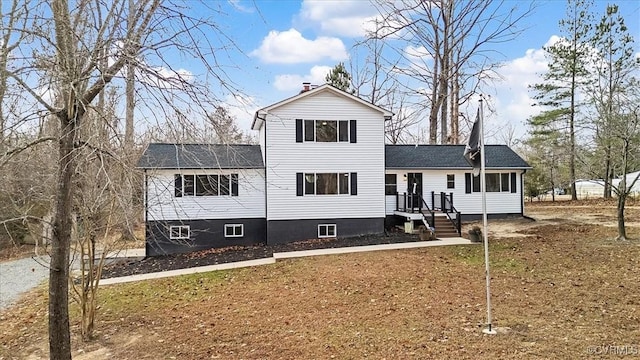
590 100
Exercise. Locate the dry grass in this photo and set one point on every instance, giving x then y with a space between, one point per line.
562 287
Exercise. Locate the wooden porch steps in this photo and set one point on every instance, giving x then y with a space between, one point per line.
444 228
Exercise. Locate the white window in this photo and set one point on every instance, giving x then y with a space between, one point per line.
181 232
326 130
233 230
326 183
206 185
327 230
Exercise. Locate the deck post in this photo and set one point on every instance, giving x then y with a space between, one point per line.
433 204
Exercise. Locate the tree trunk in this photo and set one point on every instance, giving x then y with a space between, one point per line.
622 231
445 72
572 138
433 112
607 170
454 136
59 336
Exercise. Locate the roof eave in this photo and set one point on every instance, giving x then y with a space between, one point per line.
325 87
455 168
200 168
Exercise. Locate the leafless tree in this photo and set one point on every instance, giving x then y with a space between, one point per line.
70 53
450 55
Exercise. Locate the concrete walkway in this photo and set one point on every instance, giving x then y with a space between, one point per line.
285 255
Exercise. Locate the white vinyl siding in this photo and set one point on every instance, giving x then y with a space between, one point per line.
163 205
436 180
286 157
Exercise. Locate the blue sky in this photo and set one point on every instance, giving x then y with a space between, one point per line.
283 43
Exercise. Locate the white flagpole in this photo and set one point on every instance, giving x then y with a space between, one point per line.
483 187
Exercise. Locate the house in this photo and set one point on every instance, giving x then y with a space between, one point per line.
595 188
440 173
632 181
321 170
199 196
323 151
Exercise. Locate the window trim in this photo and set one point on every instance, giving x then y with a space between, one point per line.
234 227
327 227
180 229
387 185
180 184
451 182
307 130
472 183
348 188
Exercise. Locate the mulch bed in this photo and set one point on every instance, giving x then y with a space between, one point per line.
239 253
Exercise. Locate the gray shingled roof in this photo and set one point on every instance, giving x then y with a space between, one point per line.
448 157
201 156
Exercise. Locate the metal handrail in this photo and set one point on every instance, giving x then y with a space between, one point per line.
431 212
458 222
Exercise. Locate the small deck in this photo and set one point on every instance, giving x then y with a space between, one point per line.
441 216
416 215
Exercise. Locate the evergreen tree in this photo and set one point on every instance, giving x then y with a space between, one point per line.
340 78
566 75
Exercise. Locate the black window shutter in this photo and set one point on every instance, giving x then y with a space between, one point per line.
234 184
467 183
298 130
299 184
476 183
177 182
352 130
354 183
513 182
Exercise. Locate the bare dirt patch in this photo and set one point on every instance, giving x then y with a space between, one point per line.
560 291
16 252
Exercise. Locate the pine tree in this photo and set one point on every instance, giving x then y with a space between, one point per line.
340 78
566 75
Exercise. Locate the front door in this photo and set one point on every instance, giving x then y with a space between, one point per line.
414 189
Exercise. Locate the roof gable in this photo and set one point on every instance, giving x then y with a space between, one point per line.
448 157
258 118
200 156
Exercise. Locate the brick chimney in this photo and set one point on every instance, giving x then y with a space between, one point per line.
306 86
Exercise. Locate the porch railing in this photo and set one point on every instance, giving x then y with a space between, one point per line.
414 203
445 204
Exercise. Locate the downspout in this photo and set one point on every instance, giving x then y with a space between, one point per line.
266 222
522 192
266 174
146 212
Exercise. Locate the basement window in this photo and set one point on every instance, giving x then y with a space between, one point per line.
181 232
233 230
327 230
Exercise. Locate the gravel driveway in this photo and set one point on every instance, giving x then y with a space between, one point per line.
19 276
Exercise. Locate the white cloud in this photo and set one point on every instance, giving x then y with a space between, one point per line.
513 99
240 7
352 18
289 82
290 47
